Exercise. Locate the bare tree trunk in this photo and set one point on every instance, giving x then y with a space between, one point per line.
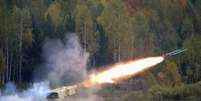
2 78
85 38
20 48
94 62
119 51
3 73
132 47
10 66
13 69
7 61
15 66
114 51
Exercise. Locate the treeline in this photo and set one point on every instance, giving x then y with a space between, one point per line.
111 30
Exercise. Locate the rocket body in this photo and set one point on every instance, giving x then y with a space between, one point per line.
175 52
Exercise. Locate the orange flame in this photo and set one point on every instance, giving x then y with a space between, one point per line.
122 70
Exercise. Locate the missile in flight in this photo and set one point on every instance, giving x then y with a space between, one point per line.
59 94
175 52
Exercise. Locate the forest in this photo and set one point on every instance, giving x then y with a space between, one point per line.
111 31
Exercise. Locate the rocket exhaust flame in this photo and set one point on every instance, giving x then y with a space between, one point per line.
122 70
114 73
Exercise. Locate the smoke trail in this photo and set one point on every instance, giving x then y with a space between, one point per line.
67 64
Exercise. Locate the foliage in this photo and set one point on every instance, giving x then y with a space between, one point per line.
155 93
191 59
54 12
114 21
86 29
181 93
111 31
150 79
173 73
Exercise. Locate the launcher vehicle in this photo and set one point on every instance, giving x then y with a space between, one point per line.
59 94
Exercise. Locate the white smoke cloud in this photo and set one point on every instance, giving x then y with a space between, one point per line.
65 60
37 92
65 63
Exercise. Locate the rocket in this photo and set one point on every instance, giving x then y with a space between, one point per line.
59 94
175 52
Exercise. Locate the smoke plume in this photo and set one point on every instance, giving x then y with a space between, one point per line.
65 63
37 92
